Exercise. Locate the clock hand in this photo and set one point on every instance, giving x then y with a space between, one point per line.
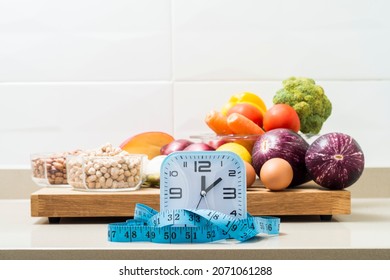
213 184
202 190
205 200
199 202
202 195
205 190
203 184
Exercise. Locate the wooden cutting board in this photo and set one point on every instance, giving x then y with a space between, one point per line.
309 199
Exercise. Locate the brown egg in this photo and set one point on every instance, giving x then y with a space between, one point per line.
250 174
276 174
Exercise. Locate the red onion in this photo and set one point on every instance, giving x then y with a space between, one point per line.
199 147
175 146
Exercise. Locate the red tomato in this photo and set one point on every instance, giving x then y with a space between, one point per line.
249 111
281 116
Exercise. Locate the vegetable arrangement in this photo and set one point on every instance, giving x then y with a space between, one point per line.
308 100
285 144
269 140
334 161
242 114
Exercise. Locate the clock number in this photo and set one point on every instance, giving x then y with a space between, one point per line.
232 173
229 193
233 213
202 166
175 193
173 173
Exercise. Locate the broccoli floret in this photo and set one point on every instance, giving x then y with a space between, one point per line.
308 100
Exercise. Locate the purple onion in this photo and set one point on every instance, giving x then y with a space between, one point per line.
335 161
199 147
175 146
286 144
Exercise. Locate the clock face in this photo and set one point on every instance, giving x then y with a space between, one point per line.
204 180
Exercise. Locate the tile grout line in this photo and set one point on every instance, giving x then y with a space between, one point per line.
173 81
86 82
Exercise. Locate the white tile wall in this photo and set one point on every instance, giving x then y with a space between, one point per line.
82 73
86 40
272 40
67 116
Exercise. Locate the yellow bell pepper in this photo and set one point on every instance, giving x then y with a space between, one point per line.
245 97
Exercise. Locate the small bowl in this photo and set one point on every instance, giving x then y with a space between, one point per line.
214 140
49 170
106 173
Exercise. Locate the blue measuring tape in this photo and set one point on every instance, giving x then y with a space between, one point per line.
188 226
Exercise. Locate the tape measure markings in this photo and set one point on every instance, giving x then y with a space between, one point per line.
191 226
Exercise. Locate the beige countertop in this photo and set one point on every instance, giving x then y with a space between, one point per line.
364 234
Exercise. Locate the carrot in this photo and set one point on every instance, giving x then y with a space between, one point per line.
240 124
218 123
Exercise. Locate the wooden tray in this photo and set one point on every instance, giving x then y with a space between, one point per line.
55 203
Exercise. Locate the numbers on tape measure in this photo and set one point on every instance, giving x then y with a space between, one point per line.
188 226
